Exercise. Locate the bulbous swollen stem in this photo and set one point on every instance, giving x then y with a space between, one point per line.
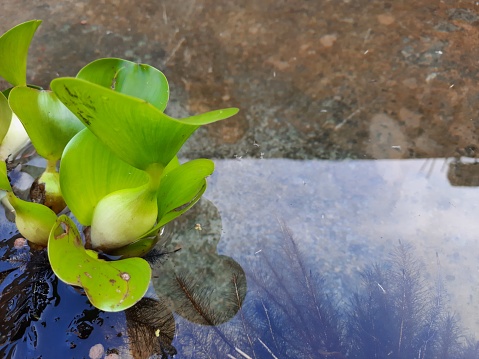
122 217
46 189
34 221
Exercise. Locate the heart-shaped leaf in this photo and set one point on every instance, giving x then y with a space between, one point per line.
110 285
49 124
5 116
89 168
130 78
14 46
132 128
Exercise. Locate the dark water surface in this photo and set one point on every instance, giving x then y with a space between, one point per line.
355 146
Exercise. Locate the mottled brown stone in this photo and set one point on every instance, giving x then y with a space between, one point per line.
309 77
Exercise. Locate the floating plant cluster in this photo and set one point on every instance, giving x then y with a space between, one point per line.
119 174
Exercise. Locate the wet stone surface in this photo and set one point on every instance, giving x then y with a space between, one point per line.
329 79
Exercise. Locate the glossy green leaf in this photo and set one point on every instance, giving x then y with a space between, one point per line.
4 182
181 188
89 171
6 92
14 46
133 129
175 162
110 285
5 116
136 249
49 124
130 78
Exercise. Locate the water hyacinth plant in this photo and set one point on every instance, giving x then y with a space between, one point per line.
118 171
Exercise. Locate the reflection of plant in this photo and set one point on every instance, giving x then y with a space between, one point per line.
206 289
119 173
146 317
289 314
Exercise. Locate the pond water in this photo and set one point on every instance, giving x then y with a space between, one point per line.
340 221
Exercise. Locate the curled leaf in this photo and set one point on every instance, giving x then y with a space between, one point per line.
130 78
109 285
49 124
14 46
5 116
14 141
134 130
182 188
122 217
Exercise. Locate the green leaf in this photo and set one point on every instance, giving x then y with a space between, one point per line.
181 188
14 46
5 116
110 285
179 191
137 80
4 182
89 171
49 124
132 128
136 249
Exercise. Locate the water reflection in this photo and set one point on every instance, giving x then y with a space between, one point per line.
346 215
199 284
463 174
315 293
396 313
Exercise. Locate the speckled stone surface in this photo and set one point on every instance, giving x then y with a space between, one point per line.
314 80
317 79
